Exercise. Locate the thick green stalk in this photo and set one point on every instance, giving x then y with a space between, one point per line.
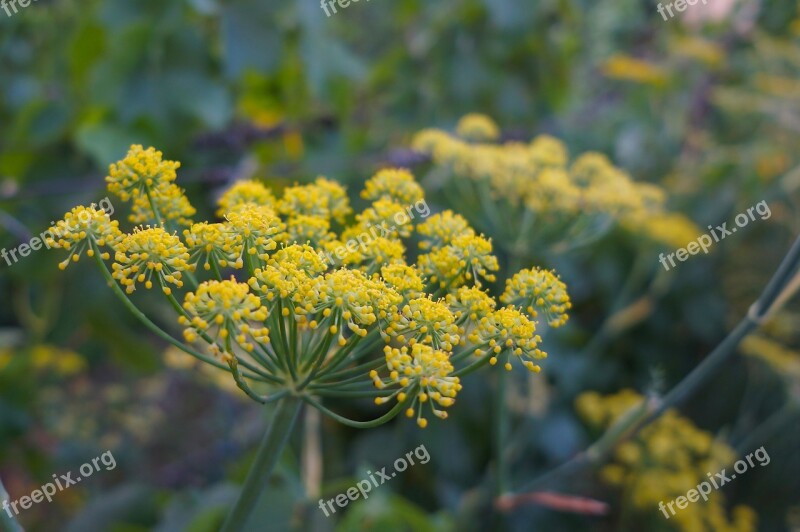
501 423
272 445
777 292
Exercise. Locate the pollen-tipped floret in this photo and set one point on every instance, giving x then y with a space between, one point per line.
226 310
506 332
425 370
150 251
536 290
79 228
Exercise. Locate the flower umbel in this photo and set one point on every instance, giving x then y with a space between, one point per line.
312 293
79 228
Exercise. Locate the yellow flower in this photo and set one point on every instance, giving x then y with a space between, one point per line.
337 202
536 290
380 251
467 259
212 243
140 172
229 308
79 228
387 214
548 152
470 304
440 229
324 198
393 184
673 230
477 127
423 368
287 272
347 299
407 280
147 251
662 462
507 331
424 320
244 193
259 228
304 229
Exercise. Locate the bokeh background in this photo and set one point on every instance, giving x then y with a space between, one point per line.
705 105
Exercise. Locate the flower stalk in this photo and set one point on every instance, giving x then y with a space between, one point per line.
268 454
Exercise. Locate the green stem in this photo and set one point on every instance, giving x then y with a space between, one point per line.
7 521
501 432
361 424
774 295
146 321
270 450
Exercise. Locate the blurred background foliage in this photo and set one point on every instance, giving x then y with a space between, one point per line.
706 105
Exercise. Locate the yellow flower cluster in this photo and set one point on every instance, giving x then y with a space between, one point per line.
324 199
467 259
229 308
477 127
505 332
425 369
259 229
317 296
144 177
211 244
147 251
427 321
662 462
536 182
80 228
243 193
537 290
396 185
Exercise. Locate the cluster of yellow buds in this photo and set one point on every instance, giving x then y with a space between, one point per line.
301 294
527 194
662 462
